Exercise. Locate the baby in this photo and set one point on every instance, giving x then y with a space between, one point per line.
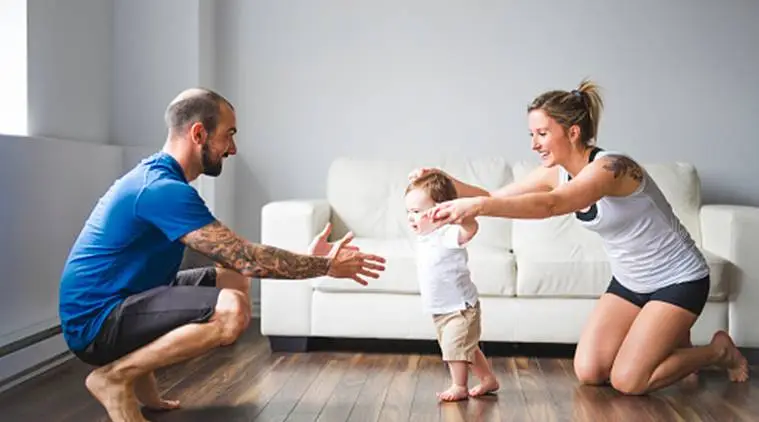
447 291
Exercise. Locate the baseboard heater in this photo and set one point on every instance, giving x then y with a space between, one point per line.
25 342
29 340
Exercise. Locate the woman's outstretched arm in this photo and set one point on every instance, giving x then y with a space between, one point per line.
539 180
603 177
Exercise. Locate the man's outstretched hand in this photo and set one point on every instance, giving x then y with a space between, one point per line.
320 246
346 261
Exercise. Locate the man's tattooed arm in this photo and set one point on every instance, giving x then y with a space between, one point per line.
222 245
624 166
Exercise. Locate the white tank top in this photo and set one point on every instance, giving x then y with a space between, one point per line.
647 245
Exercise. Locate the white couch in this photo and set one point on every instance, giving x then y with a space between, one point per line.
538 279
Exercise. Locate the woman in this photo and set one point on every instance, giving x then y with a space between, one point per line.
638 336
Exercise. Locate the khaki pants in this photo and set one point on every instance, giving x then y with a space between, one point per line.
458 333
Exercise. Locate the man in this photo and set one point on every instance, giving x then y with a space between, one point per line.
126 308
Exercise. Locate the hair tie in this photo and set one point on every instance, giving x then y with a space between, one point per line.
576 93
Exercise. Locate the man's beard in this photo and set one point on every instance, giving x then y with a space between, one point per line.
209 167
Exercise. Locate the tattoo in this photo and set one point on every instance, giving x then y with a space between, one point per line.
623 166
222 245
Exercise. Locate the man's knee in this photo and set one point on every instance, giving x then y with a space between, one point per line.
591 371
233 314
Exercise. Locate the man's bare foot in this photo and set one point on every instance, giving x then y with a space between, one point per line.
117 398
453 393
161 404
487 385
146 389
730 357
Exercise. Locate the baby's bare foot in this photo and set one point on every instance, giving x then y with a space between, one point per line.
453 393
731 358
487 385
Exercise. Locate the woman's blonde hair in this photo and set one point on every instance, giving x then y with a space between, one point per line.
581 106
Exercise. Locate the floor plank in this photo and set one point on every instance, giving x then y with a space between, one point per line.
246 382
371 399
400 394
341 402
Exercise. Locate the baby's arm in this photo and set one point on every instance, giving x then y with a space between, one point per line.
467 229
427 226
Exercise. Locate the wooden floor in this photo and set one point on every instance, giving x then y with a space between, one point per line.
247 382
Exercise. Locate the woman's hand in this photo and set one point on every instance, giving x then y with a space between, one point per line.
456 211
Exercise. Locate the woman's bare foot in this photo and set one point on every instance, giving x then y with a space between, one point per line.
487 385
730 357
117 397
147 392
692 378
454 393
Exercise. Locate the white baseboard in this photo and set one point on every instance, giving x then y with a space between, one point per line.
26 363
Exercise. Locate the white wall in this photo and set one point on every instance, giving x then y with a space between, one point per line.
13 113
314 80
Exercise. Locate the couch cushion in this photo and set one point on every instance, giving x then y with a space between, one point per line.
680 184
493 270
367 195
585 273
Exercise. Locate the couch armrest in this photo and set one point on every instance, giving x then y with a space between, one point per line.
293 224
286 307
732 232
286 304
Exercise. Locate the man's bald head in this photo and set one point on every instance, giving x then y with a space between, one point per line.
195 105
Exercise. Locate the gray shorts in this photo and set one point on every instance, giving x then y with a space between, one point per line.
146 316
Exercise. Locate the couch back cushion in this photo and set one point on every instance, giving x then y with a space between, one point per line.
366 196
679 182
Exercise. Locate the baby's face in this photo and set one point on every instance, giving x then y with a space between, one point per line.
417 202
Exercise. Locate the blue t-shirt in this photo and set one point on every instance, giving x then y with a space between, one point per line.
128 245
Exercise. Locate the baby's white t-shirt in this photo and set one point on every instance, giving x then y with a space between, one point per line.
445 283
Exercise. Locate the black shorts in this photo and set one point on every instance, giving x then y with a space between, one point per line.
144 317
690 295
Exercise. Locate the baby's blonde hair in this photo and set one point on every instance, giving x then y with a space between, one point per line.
437 185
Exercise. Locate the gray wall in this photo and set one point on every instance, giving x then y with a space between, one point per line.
100 73
50 180
314 80
48 187
69 48
155 55
160 49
